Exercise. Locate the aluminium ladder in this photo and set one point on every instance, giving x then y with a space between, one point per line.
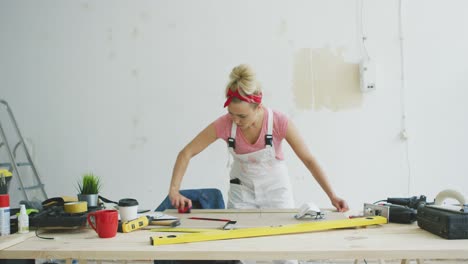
14 165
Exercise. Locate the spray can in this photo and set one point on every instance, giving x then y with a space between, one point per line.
4 214
23 220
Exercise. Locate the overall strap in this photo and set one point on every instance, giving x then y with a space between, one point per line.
269 134
232 138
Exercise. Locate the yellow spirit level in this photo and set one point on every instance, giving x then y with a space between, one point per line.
197 235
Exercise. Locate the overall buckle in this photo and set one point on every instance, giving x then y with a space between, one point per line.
269 140
231 143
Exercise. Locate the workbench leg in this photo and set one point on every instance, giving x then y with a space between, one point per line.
406 261
381 261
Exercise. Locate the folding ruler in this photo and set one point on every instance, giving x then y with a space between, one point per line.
199 235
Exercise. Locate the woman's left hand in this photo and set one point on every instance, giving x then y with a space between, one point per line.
340 204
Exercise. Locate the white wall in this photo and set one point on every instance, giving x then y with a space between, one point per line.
119 87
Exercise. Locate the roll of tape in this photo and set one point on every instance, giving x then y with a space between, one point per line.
75 207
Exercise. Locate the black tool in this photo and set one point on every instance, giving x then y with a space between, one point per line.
401 214
404 210
446 223
412 202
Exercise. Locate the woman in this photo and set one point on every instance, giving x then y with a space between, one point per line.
259 177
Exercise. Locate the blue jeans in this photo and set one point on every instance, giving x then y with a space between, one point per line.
209 198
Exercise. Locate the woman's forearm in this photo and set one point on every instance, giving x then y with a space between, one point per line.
199 143
179 171
320 176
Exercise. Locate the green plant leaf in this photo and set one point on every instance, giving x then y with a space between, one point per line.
89 184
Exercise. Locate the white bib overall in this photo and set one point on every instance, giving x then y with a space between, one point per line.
258 179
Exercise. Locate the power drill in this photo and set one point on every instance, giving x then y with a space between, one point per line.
404 210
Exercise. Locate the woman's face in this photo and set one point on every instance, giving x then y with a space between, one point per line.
243 114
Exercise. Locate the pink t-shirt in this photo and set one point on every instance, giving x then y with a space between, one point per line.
223 127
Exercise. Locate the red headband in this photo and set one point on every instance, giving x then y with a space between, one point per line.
253 98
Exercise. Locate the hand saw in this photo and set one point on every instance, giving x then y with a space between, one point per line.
197 235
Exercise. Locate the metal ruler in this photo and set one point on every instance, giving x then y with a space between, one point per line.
197 235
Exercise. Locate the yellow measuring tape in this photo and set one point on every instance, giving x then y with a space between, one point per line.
197 235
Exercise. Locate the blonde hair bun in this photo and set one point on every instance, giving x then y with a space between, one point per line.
243 78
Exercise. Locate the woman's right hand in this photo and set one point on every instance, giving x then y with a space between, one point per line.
179 201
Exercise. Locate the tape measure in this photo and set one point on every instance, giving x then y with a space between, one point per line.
132 225
197 236
75 207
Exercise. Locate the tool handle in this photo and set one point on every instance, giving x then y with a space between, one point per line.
449 193
172 223
399 201
412 202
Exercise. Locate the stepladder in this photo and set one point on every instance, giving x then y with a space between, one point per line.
16 157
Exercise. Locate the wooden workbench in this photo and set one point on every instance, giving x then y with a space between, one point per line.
390 241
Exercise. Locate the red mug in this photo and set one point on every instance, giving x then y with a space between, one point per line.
104 222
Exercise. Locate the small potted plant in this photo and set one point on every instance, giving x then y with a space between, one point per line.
88 189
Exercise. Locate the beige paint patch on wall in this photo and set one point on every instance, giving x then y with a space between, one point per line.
322 79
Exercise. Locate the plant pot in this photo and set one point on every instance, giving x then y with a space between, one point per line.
91 199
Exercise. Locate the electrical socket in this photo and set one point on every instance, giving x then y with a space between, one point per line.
367 75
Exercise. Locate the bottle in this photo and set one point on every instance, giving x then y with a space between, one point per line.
23 220
4 214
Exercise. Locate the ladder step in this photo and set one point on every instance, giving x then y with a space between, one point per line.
32 187
19 164
23 164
